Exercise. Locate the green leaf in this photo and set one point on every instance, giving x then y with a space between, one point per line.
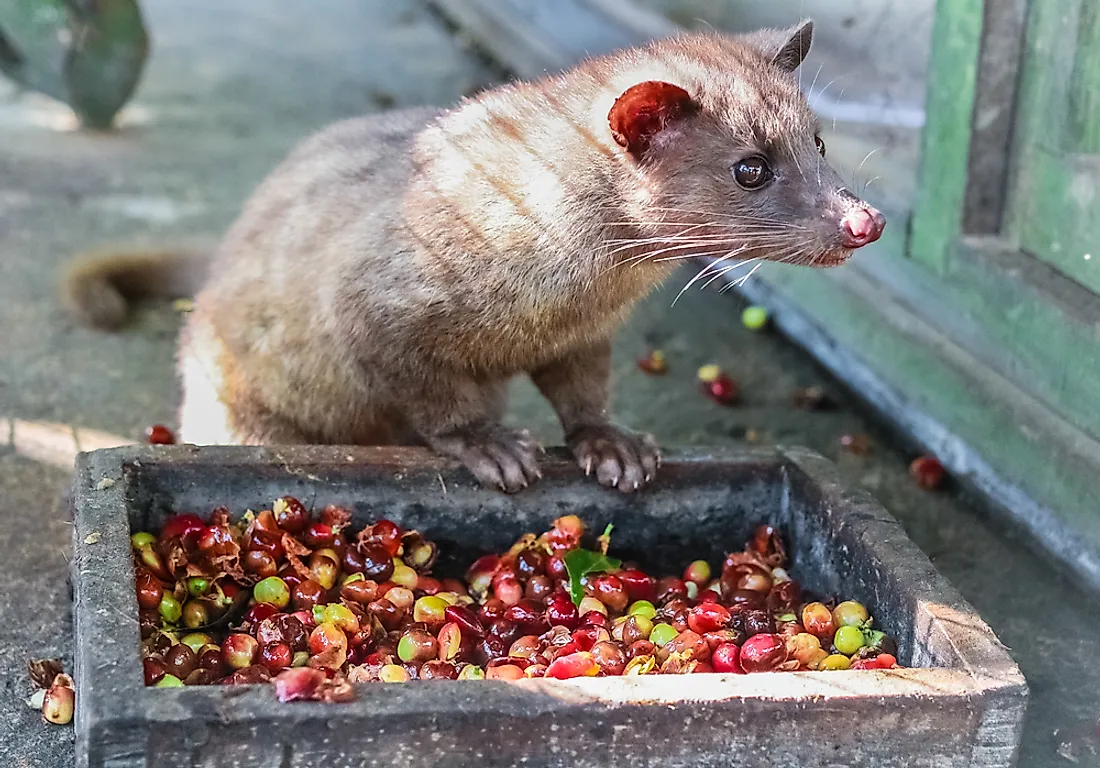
581 562
872 638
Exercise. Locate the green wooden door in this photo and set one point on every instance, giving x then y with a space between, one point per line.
1055 213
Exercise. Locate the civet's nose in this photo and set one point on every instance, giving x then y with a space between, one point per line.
861 226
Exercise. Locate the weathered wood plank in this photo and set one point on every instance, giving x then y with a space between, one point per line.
945 144
993 115
1057 189
1084 97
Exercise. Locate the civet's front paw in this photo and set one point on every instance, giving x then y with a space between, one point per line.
619 458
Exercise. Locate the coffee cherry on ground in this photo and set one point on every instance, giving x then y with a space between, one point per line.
180 661
196 614
418 553
402 598
450 641
149 589
437 669
698 572
393 673
639 585
326 636
815 659
849 614
653 363
341 617
430 610
754 318
360 590
329 646
708 617
886 661
591 605
153 669
217 541
723 636
480 574
561 611
154 562
170 609
763 653
258 612
610 657
197 641
417 645
669 588
634 628
403 575
539 587
211 657
323 568
142 539
507 589
158 434
818 620
240 650
610 590
308 594
758 622
804 648
276 657
272 590
727 658
928 472
565 534
260 563
689 645
386 612
662 633
169 681
580 664
299 684
253 675
290 514
466 619
718 386
834 662
505 672
388 534
848 640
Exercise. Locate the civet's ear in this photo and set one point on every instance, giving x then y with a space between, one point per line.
786 48
644 110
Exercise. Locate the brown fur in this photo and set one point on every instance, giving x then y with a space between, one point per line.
386 281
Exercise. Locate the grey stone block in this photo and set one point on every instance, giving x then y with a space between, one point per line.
962 704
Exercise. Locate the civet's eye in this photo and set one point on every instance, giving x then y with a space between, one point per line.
820 145
752 172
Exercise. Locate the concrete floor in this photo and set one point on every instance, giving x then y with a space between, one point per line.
228 91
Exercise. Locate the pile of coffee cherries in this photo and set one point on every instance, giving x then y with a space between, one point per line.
317 606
